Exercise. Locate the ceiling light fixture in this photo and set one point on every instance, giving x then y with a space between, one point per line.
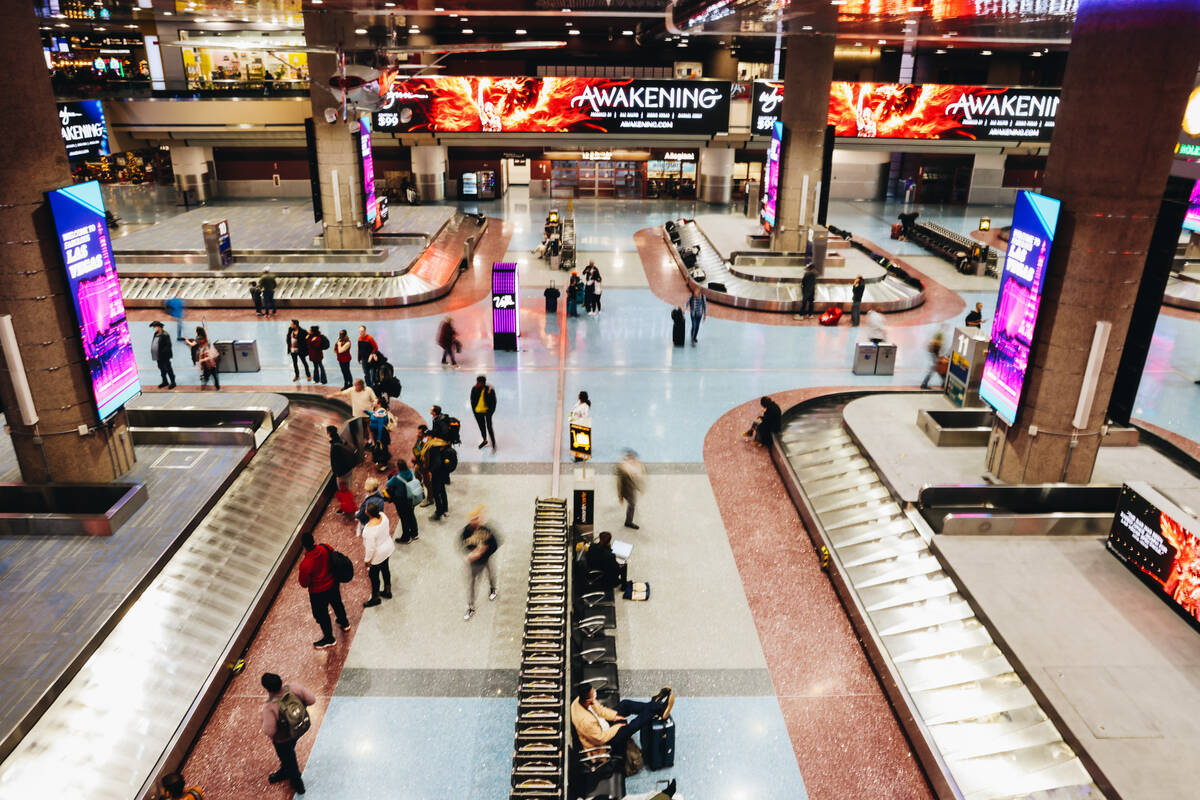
807 28
882 41
1036 54
573 32
985 52
566 11
317 2
468 31
438 9
453 14
361 31
389 5
521 31
939 52
627 33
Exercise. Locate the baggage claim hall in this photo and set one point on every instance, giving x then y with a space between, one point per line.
574 400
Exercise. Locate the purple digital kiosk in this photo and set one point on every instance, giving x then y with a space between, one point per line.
506 311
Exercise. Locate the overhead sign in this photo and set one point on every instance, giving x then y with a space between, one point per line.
1159 541
506 310
82 229
83 129
922 111
1035 218
678 155
449 104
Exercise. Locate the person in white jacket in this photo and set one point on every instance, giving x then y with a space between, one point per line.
377 547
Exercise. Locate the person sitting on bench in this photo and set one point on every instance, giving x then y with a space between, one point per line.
599 557
597 725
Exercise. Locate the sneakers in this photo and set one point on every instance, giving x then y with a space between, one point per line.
470 613
386 595
321 644
428 501
482 444
345 628
163 386
665 695
631 526
492 594
295 379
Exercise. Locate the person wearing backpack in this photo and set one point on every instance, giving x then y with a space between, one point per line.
405 491
483 404
324 591
441 462
284 720
173 788
317 343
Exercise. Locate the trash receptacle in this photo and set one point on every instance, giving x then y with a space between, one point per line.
228 362
885 359
246 352
864 358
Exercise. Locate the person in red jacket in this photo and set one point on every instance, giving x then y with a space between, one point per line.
323 590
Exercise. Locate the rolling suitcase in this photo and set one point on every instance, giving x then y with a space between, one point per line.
677 331
658 744
831 316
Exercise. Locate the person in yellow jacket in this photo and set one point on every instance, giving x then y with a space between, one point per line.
597 725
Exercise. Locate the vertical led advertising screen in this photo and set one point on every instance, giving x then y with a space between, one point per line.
506 311
1191 222
83 129
1160 542
79 220
771 183
1035 218
367 159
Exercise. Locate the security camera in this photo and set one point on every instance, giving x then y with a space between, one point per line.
331 115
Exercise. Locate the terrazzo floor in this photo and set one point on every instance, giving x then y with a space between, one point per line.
776 697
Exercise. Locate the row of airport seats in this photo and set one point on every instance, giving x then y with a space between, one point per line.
543 726
958 249
598 773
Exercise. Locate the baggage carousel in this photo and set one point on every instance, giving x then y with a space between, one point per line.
129 707
429 276
887 293
1183 291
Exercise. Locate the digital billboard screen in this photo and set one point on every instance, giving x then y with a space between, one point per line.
771 182
451 104
1160 542
1035 218
79 220
83 129
922 111
1192 220
367 159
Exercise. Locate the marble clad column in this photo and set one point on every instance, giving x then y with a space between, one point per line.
715 172
808 71
1131 67
429 171
33 286
335 143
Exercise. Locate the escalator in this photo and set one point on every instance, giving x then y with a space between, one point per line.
963 705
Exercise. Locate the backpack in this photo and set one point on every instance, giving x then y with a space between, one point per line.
293 714
416 492
449 459
448 428
340 565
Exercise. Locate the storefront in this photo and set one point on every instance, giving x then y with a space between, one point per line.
212 68
81 64
672 174
597 173
148 165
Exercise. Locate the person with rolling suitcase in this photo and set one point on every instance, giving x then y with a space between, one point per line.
677 327
658 743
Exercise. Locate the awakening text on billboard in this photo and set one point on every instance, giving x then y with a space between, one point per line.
1035 218
96 294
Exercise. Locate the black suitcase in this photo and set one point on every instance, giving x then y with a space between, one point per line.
717 287
677 327
658 744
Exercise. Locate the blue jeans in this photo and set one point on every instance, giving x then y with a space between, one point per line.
640 715
269 301
695 327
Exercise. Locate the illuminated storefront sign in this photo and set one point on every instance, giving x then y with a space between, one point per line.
596 155
922 111
79 219
1160 542
448 104
675 155
1035 218
771 183
83 129
506 309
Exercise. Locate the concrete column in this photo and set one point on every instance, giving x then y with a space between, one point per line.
1109 170
33 287
337 158
807 75
987 180
429 171
715 174
193 168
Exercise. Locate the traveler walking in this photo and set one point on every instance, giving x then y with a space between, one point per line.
173 788
317 344
160 351
630 480
447 339
284 720
267 284
405 491
362 400
856 296
935 357
205 356
366 346
377 548
341 349
483 404
174 309
808 291
697 306
480 543
296 342
324 592
256 298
